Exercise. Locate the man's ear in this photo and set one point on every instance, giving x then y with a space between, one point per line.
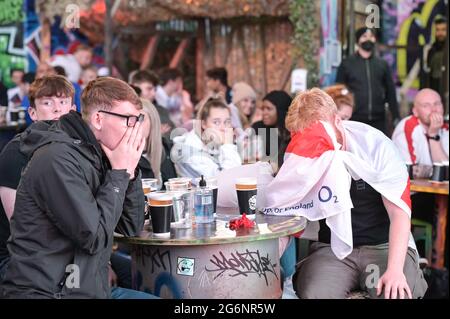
73 108
339 130
414 111
96 121
32 112
337 121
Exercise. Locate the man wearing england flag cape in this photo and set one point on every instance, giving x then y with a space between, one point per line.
350 178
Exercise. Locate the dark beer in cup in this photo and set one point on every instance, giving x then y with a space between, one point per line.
445 170
161 207
438 172
212 183
409 167
246 193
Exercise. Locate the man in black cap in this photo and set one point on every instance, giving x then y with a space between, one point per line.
370 80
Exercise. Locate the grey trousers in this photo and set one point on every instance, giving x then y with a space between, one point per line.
322 275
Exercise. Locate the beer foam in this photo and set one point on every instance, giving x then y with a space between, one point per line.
159 199
246 183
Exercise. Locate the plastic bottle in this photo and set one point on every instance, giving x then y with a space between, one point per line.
203 203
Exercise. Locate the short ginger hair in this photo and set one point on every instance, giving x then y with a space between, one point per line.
309 107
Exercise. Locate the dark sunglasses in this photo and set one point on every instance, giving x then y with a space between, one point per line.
131 119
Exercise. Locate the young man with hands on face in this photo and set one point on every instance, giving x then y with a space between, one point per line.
80 185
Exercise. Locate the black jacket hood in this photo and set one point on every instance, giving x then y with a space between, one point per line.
70 129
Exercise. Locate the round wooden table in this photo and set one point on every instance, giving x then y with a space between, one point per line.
212 261
440 189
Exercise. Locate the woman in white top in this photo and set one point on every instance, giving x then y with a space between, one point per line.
208 148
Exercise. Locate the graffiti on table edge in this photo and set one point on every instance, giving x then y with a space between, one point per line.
158 259
243 264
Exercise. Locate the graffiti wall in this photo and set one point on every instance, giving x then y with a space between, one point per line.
407 25
12 53
330 49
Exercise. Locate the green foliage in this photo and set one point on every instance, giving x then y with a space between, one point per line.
303 17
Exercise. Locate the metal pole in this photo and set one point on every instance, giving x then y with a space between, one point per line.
351 31
108 36
444 77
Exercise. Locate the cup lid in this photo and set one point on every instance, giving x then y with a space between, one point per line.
180 179
161 196
246 181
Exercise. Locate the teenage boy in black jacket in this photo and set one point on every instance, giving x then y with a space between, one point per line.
80 185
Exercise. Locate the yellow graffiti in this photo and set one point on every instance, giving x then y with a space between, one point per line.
402 40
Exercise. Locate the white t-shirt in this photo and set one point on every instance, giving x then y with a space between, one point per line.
70 65
410 138
161 97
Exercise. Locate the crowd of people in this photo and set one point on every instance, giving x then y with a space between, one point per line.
73 177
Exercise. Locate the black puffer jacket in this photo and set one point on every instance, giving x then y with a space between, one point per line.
370 81
68 204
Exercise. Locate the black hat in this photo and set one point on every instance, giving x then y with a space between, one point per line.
361 31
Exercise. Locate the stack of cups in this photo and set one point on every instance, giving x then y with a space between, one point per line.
182 202
148 185
246 189
181 180
161 210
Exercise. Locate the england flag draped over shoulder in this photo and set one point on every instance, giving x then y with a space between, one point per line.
315 178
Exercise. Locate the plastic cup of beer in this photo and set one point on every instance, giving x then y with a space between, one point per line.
246 189
161 210
149 185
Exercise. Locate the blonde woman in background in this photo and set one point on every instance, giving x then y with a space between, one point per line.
155 161
243 106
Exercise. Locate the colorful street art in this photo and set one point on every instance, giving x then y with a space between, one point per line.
408 26
12 53
330 50
32 41
63 40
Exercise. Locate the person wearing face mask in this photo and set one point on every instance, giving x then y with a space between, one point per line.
369 79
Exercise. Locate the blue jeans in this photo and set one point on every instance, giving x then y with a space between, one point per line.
121 264
289 259
123 293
